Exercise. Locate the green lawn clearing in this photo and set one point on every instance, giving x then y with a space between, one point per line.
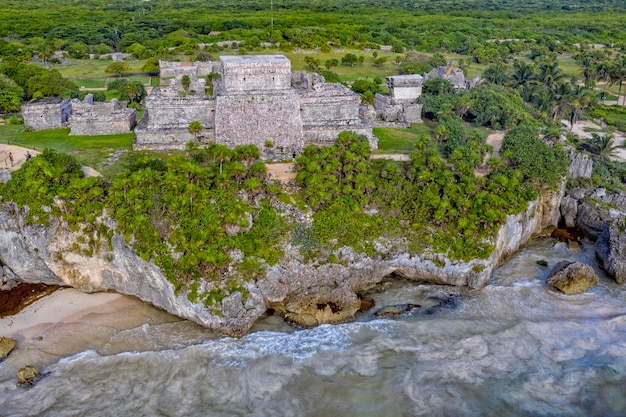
92 151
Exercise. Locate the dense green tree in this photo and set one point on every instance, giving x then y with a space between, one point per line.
349 59
11 95
133 91
118 68
538 162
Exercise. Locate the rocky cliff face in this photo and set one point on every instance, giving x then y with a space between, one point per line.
305 293
601 217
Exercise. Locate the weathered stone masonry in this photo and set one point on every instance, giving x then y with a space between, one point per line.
257 100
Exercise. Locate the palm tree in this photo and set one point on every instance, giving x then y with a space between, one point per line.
618 74
601 147
195 128
523 74
559 102
603 71
579 97
496 74
550 73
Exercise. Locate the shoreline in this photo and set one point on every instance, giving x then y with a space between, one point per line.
68 322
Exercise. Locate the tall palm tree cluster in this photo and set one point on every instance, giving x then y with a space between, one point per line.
545 87
598 67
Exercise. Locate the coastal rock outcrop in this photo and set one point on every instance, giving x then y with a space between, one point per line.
6 346
581 166
5 175
611 250
572 277
306 293
28 376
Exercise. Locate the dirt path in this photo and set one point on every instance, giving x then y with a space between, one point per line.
585 128
283 172
392 156
19 156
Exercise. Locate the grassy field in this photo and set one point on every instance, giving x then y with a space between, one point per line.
92 151
78 69
401 140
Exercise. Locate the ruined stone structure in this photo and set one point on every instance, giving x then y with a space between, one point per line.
400 105
96 118
399 108
454 75
256 100
47 113
169 70
83 118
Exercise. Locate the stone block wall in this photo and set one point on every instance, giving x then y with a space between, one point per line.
165 122
121 121
50 113
169 70
405 87
255 118
255 73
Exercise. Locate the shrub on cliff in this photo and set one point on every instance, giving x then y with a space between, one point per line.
540 163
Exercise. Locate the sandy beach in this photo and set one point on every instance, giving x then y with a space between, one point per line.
68 322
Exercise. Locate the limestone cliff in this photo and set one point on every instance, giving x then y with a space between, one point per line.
306 293
601 217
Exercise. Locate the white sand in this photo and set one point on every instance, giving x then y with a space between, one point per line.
63 306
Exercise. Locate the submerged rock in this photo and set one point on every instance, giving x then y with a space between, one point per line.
611 251
6 346
542 262
367 303
396 311
447 302
572 277
28 375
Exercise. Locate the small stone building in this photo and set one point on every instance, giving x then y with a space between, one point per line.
454 75
47 113
400 105
400 108
83 118
97 118
169 70
256 100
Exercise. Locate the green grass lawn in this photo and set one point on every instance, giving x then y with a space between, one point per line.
401 140
79 69
91 151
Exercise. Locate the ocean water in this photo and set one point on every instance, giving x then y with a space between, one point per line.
514 348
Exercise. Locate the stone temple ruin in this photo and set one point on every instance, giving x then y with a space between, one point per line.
82 117
256 100
400 108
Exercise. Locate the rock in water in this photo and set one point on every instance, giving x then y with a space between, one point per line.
611 251
28 375
6 346
396 311
572 277
542 262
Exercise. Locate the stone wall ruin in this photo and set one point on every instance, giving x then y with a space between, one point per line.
256 100
82 117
